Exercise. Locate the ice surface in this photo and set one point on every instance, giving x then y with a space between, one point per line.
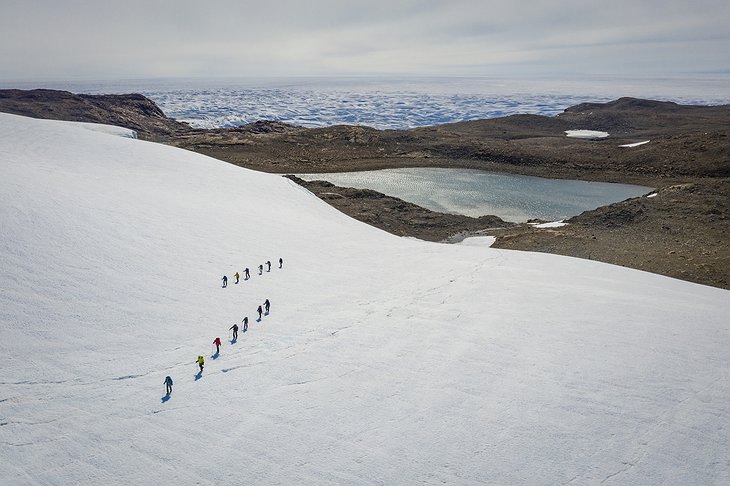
471 192
387 102
384 360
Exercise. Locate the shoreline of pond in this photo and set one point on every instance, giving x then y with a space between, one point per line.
515 198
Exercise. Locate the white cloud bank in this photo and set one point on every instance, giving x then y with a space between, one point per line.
241 38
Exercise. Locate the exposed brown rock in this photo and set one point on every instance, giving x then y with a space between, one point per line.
682 232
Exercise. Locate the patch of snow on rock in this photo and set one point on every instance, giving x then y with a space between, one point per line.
629 145
587 134
552 224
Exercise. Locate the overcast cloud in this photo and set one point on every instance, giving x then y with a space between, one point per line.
57 39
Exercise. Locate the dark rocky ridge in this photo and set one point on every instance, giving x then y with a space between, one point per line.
685 141
132 111
682 232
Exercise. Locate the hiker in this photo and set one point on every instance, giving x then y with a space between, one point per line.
246 275
235 331
200 362
245 324
281 262
268 265
267 305
261 269
168 384
217 342
260 312
225 281
237 276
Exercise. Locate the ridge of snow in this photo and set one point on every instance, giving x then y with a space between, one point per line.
384 359
479 241
100 127
636 144
551 224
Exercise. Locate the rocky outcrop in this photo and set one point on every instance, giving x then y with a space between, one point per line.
132 111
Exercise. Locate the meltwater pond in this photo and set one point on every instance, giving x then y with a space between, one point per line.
475 193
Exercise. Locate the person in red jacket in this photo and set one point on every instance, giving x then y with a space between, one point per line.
217 342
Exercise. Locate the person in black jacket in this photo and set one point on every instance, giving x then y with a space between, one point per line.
168 384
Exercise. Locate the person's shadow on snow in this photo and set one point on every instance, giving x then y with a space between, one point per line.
165 398
215 356
199 375
233 341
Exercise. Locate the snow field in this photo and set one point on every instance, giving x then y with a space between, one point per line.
384 359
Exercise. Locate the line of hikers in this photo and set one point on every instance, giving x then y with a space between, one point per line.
234 328
247 274
262 311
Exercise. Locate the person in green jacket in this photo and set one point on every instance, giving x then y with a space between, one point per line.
200 362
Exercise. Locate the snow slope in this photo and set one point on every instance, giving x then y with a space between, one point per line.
384 360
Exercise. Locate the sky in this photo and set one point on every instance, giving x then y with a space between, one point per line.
97 39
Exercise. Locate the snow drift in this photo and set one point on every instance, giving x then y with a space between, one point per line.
384 359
